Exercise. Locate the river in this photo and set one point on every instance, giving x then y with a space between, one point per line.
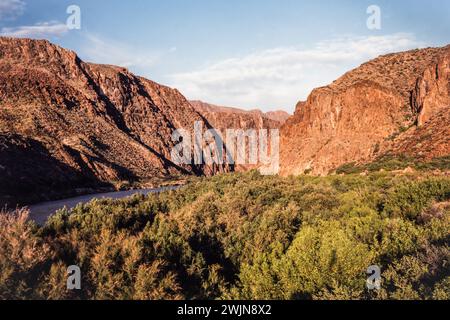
42 211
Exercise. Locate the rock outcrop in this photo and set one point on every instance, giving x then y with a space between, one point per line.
396 104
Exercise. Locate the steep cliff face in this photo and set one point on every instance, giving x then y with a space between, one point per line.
100 123
373 109
431 94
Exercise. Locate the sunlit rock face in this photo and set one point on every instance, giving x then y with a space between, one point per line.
395 104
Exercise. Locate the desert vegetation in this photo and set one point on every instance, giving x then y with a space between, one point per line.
392 163
241 236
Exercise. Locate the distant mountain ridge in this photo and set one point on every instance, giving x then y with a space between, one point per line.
229 117
224 118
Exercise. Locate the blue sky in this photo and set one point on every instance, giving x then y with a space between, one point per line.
267 54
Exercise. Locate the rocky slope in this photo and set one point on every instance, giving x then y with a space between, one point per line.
65 123
395 104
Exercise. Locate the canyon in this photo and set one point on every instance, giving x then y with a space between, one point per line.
69 127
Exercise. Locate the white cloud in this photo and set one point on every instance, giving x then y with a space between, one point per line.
107 51
40 30
11 9
280 77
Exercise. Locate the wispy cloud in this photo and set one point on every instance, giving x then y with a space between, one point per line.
11 9
280 77
101 50
40 30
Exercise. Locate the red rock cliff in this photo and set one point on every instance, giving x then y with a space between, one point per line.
383 106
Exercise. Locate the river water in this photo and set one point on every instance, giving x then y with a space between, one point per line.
42 211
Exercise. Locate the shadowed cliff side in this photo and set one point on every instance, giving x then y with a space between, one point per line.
96 121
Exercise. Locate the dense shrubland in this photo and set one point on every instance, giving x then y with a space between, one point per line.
391 163
242 236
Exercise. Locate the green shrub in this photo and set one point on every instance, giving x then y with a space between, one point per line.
408 200
241 236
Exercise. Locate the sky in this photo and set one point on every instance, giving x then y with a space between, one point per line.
266 54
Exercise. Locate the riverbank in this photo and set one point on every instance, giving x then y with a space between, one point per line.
40 212
25 198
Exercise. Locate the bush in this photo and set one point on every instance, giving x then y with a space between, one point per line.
23 257
392 163
241 236
408 200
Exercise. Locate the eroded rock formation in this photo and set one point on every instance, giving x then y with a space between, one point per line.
397 104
